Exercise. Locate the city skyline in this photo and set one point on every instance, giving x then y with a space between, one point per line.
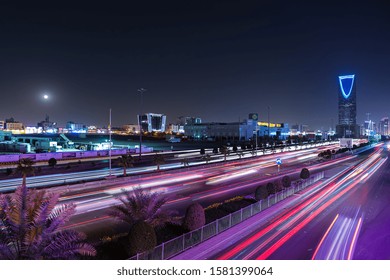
216 61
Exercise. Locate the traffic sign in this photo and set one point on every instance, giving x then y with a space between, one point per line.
278 161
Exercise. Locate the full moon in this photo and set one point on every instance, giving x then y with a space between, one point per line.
45 96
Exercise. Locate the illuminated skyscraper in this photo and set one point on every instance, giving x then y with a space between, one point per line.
347 126
384 126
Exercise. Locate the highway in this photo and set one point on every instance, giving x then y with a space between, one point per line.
344 217
7 185
205 184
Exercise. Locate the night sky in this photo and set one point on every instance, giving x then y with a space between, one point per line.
218 60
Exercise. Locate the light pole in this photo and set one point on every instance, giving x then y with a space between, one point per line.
45 124
256 135
140 90
109 151
268 123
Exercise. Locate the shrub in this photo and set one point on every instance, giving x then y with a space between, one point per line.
52 162
261 193
286 182
305 173
271 188
278 186
195 217
142 237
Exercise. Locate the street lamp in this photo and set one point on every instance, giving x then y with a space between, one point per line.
109 151
140 90
268 123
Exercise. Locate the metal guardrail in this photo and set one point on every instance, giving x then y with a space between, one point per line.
179 244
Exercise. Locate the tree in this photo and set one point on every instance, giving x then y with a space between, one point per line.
195 217
30 227
25 168
235 148
142 205
142 237
126 161
158 160
52 162
215 150
261 193
305 173
202 151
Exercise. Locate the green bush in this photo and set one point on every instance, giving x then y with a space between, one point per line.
286 182
261 193
278 186
142 237
195 217
223 209
52 162
305 173
271 188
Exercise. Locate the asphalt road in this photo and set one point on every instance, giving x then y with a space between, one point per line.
303 227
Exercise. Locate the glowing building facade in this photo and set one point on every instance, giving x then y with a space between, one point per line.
347 126
151 122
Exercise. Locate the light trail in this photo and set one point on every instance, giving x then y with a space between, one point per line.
301 215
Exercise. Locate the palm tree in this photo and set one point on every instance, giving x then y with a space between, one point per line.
158 160
30 227
142 205
126 161
25 168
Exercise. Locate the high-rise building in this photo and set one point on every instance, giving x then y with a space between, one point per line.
151 122
347 126
384 126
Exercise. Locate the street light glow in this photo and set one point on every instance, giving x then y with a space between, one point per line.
45 96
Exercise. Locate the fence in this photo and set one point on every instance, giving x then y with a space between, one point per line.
175 246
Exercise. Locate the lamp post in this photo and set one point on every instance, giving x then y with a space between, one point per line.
140 90
109 151
268 122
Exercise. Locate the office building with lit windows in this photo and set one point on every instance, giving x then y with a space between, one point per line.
384 126
152 122
347 127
